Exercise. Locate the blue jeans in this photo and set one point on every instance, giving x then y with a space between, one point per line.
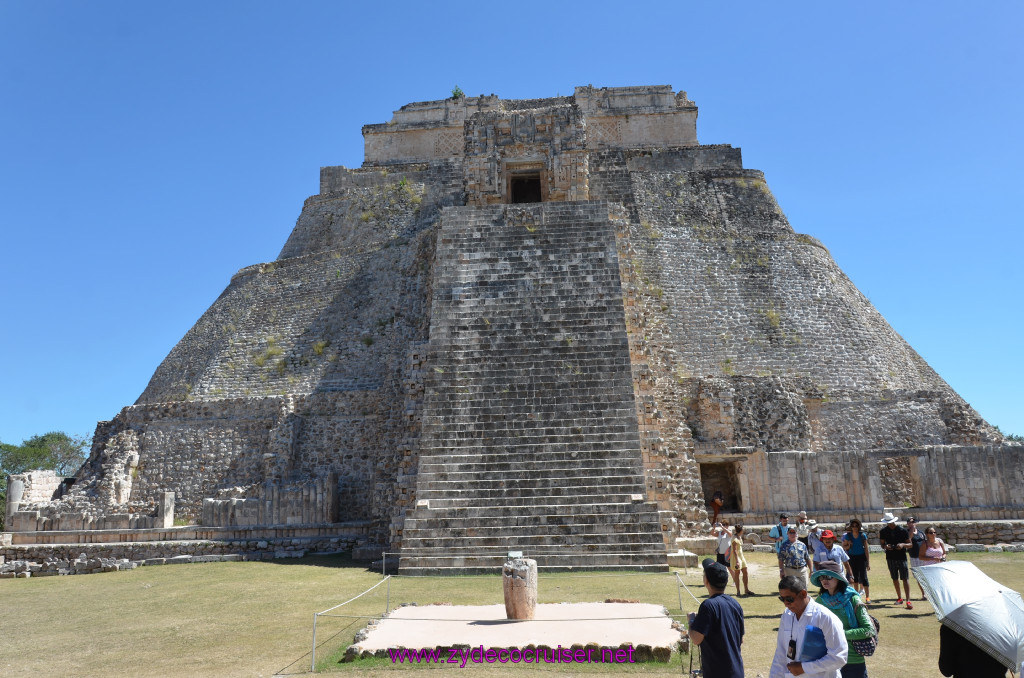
854 671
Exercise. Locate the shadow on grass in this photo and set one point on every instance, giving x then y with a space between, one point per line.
339 561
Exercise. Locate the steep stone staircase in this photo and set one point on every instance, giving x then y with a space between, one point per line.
529 438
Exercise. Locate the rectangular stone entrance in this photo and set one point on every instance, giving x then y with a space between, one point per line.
722 476
524 187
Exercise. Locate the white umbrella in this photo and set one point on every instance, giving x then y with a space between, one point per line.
977 607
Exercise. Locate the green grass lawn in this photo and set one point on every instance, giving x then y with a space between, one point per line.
255 619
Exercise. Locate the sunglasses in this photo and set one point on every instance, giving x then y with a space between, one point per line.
825 576
788 600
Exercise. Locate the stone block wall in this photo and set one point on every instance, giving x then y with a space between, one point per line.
618 117
747 296
670 473
246 448
741 297
335 311
424 130
278 503
952 482
983 477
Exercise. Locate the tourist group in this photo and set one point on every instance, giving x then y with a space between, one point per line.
831 633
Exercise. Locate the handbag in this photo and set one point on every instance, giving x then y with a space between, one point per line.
866 646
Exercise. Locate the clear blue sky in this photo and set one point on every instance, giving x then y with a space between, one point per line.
150 150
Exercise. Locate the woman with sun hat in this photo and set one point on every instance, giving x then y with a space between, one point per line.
840 598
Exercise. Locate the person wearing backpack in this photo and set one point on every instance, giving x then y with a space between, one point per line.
841 600
780 532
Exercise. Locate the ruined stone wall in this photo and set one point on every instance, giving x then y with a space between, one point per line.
617 117
34 486
330 318
741 295
184 551
610 170
627 117
297 370
424 130
948 482
670 472
746 336
194 448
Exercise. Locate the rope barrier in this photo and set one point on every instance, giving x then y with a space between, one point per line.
317 615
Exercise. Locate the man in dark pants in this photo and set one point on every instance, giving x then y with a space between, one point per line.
717 628
895 542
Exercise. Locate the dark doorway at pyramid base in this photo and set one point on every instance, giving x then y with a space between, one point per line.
525 187
721 477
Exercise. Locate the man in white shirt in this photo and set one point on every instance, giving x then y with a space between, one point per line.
723 540
800 613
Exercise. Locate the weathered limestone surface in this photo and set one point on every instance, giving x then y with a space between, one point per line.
571 377
519 584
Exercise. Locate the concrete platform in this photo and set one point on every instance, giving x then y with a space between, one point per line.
606 625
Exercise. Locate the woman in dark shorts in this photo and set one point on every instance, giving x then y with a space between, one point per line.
856 544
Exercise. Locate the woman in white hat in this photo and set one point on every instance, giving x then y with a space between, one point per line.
840 598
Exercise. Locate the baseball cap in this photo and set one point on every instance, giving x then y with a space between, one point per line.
828 534
717 574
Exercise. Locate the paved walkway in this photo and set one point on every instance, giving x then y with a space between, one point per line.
565 624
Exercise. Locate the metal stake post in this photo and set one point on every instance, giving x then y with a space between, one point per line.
312 665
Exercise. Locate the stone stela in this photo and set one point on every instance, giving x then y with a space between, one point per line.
519 584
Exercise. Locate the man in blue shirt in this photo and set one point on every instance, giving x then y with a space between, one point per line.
778 533
717 627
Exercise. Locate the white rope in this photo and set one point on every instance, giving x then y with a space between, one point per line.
359 596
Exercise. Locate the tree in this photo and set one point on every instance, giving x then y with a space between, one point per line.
56 451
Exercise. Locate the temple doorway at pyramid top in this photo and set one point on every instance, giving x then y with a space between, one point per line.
532 150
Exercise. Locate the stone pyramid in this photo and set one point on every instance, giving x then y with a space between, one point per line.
552 326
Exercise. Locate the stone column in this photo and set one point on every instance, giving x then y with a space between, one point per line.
165 510
15 491
519 580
